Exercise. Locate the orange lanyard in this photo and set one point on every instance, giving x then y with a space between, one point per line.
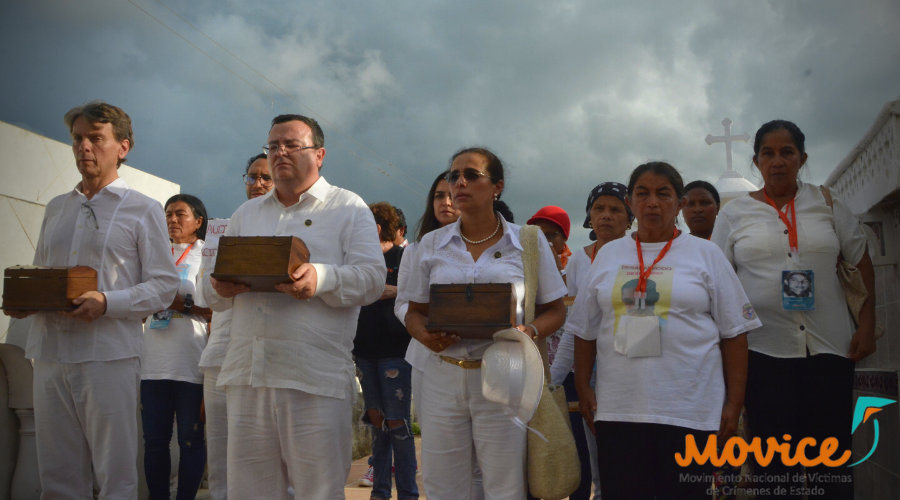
594 253
186 250
790 223
640 292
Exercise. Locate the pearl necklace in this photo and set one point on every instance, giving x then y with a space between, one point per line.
467 240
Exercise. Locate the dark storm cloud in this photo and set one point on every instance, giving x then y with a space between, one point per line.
569 94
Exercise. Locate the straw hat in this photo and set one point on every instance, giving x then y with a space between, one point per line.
512 373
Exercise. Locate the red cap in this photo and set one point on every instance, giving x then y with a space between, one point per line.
555 215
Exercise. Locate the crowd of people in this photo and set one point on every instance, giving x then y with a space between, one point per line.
668 334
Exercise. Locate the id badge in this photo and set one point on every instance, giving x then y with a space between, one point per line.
798 290
638 336
160 320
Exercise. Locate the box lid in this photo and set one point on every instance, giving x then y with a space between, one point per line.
50 272
474 287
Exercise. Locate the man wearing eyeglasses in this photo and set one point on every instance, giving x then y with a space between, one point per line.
86 361
288 373
258 182
257 177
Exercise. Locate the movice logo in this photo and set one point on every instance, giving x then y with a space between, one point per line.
865 408
736 450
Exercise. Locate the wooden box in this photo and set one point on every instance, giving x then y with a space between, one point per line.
472 311
259 261
33 288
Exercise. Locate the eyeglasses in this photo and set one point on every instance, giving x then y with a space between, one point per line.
469 174
264 180
274 149
91 219
552 235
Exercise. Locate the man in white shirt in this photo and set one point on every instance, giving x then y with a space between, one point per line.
86 362
288 372
258 181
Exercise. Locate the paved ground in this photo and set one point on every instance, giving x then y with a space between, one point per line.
358 468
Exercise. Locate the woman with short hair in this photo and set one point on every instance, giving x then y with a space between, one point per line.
171 380
608 217
665 318
802 360
481 247
701 209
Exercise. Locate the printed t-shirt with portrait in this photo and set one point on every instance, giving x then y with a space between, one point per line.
173 352
698 299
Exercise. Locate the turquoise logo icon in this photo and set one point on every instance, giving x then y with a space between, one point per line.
865 408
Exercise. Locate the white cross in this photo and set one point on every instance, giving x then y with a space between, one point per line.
727 139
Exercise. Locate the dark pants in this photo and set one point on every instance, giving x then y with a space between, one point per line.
162 402
637 462
803 397
584 455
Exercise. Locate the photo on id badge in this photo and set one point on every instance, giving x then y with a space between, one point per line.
798 291
639 331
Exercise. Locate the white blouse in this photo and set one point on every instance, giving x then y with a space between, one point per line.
576 270
441 258
173 353
755 241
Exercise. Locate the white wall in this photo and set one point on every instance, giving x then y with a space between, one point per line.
33 170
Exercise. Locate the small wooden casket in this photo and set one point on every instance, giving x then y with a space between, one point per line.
472 311
259 261
33 288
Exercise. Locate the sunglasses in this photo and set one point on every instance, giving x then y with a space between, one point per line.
469 174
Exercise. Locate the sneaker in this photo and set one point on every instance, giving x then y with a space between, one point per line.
368 479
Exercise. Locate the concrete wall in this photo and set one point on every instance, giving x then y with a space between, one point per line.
868 179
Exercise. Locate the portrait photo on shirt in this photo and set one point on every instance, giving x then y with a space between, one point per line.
797 290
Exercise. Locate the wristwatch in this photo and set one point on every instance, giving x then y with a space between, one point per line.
188 304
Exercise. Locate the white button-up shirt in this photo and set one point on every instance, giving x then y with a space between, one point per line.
281 342
122 234
755 241
442 258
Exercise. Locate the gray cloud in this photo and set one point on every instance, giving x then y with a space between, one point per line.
568 93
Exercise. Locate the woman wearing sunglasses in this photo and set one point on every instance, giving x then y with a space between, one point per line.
481 247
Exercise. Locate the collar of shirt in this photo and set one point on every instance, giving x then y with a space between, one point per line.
116 187
319 191
454 233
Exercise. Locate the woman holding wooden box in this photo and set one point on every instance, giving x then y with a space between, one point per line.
665 317
480 247
171 380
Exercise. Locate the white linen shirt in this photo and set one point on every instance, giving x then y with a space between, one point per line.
755 241
173 353
416 352
576 272
220 326
127 243
699 301
441 258
278 341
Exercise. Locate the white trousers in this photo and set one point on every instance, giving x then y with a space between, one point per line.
216 434
457 420
85 415
279 437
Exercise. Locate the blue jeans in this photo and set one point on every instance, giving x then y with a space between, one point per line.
387 387
163 401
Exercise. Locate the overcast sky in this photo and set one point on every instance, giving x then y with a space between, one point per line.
567 93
